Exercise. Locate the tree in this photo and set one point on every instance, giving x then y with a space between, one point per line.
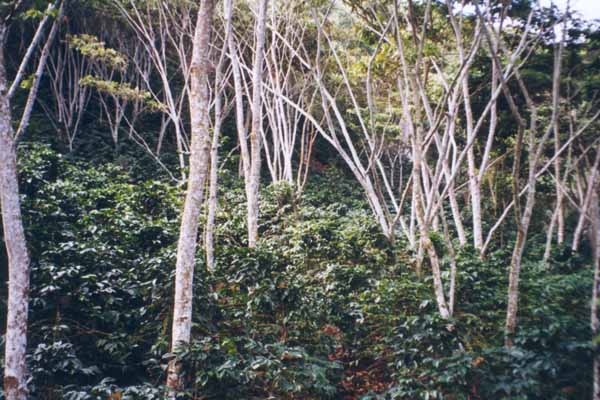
595 322
536 143
15 370
199 158
288 137
219 115
163 29
256 125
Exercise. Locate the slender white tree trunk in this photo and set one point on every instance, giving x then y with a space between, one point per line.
240 117
188 235
560 217
37 77
595 322
455 208
549 235
213 187
593 175
39 34
513 283
453 267
214 151
255 131
474 182
425 242
535 149
15 369
15 382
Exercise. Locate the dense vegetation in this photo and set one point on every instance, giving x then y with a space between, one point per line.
324 307
427 167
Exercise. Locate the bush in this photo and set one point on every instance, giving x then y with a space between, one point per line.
324 307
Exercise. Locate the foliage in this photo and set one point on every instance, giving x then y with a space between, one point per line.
90 46
323 308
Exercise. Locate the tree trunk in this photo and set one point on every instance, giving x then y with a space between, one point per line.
475 191
549 236
255 134
15 370
37 77
188 235
535 152
595 323
513 286
560 217
214 150
18 263
213 189
424 241
586 203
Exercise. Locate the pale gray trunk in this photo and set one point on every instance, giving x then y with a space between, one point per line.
560 217
37 77
595 322
214 151
425 242
513 285
212 190
474 181
15 380
549 236
239 110
455 208
39 34
199 153
255 131
453 267
523 222
475 191
586 203
15 370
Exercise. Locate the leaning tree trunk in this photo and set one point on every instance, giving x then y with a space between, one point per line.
425 243
37 77
15 382
581 223
188 235
255 134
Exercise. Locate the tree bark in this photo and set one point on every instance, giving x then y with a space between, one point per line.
213 187
15 370
18 262
535 152
188 235
38 74
549 236
425 242
209 244
474 182
255 134
39 34
586 203
560 217
595 322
